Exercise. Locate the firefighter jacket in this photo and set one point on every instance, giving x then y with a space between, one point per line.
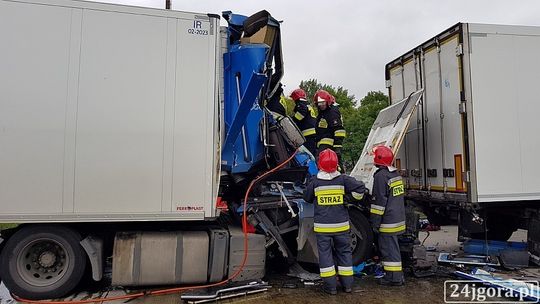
329 128
305 118
328 191
277 104
388 209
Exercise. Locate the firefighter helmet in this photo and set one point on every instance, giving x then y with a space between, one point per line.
328 161
322 95
383 156
298 94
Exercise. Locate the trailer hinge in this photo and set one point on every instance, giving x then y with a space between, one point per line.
388 83
459 50
447 172
462 108
416 173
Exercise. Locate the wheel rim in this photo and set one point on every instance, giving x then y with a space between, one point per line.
356 237
43 262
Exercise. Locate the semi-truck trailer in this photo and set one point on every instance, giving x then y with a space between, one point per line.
470 150
129 138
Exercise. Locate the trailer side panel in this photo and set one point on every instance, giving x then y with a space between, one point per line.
504 75
108 112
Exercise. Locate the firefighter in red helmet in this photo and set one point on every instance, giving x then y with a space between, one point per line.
388 214
305 118
329 128
328 191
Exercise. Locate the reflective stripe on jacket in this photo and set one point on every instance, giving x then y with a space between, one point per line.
328 191
304 117
388 209
330 130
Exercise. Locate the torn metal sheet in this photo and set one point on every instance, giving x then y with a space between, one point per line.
5 296
220 293
535 259
522 289
388 129
478 260
297 271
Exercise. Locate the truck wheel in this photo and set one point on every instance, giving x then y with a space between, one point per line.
42 262
361 236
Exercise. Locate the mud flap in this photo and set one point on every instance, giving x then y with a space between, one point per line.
307 242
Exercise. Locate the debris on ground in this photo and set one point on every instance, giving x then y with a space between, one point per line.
425 225
518 288
479 260
5 297
535 259
297 271
220 293
289 285
358 270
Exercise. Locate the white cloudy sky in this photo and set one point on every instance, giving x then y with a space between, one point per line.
348 42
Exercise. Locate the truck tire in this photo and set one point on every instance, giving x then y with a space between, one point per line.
42 262
361 236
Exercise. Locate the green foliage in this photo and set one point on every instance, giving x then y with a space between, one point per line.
341 94
7 226
356 119
358 124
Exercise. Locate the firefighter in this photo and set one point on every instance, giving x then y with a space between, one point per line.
388 214
329 128
305 118
328 190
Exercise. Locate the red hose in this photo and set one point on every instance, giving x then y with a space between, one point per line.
177 289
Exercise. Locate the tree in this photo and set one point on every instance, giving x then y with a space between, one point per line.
358 125
341 94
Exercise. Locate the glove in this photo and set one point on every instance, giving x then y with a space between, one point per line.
366 200
375 230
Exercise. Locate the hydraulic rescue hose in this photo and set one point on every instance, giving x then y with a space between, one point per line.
177 289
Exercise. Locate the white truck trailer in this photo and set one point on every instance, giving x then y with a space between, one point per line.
98 125
125 132
472 146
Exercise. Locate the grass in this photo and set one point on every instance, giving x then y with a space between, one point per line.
7 226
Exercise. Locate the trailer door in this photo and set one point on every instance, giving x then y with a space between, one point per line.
389 130
409 159
446 115
433 154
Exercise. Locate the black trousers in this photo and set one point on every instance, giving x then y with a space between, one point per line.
339 246
391 257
